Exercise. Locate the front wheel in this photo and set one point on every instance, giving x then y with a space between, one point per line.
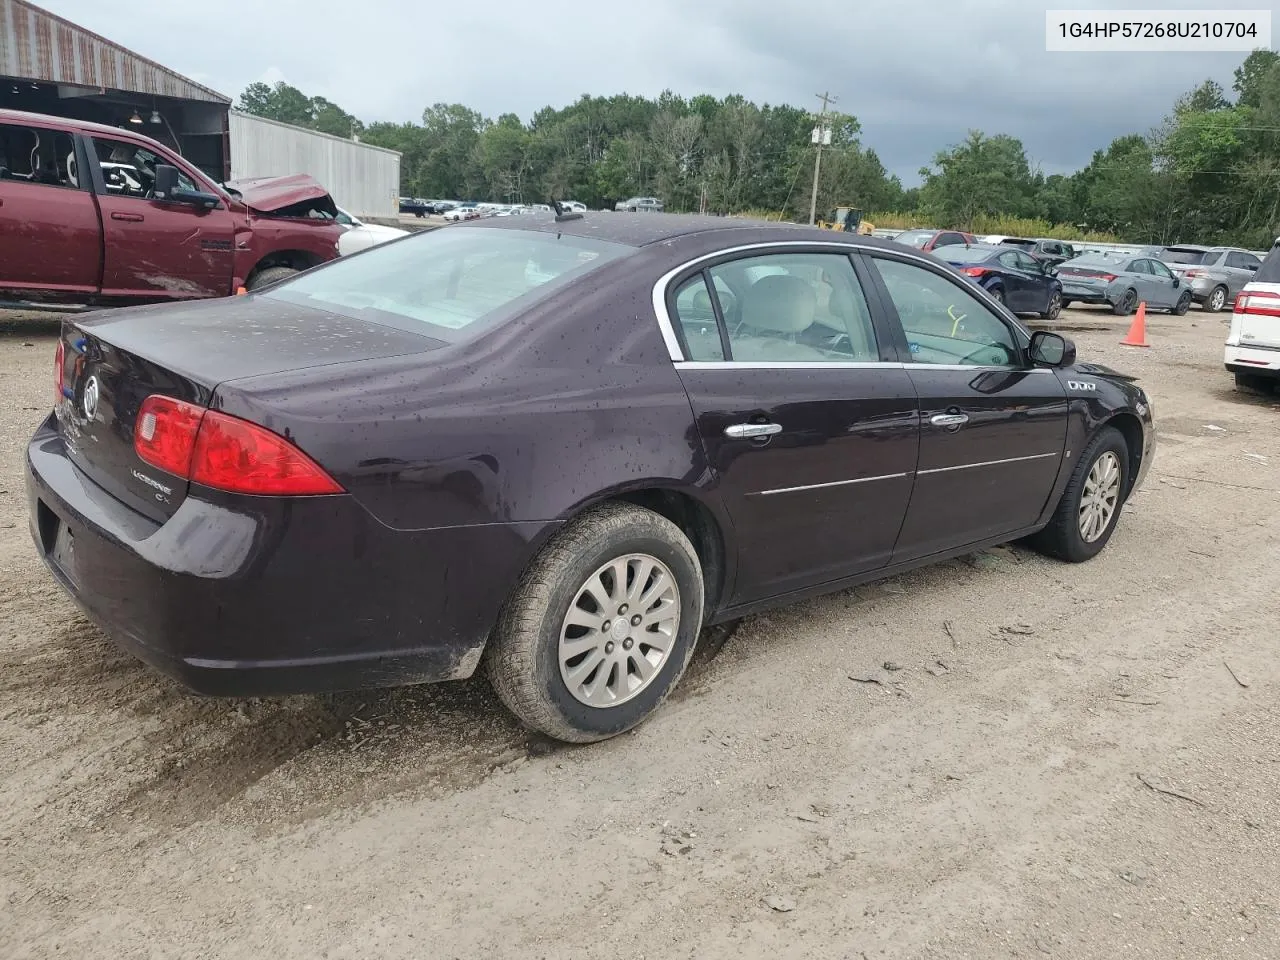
1054 308
1090 506
264 278
1183 305
601 627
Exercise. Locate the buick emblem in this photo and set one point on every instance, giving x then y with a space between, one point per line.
90 402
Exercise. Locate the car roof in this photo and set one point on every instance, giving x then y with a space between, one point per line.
642 229
86 126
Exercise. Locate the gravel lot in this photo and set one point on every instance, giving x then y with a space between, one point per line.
996 794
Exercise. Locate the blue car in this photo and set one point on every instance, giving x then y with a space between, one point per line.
1016 279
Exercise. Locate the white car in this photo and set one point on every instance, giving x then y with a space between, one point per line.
361 236
572 206
1253 343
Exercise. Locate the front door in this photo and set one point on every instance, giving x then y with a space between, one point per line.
992 429
810 428
49 234
156 249
1165 287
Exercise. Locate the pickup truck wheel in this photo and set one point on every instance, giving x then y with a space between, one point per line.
601 627
1090 506
269 276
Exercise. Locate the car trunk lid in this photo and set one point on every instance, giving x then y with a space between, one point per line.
112 362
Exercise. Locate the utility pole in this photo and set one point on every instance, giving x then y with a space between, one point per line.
821 137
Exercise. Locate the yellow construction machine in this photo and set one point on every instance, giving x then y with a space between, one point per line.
847 220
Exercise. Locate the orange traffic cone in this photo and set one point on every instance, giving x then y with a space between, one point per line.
1137 335
241 291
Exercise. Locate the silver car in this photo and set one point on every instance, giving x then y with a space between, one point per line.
1122 281
1214 274
640 205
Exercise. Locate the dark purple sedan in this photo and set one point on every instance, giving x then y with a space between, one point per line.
557 447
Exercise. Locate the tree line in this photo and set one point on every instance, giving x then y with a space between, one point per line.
1209 172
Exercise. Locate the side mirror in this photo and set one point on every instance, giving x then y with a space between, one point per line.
1052 349
1176 282
167 188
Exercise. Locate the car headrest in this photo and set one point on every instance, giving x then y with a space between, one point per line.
702 303
780 304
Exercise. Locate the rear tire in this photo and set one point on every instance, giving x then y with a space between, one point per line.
547 632
1255 385
998 293
1184 304
1103 467
1216 300
270 275
1128 303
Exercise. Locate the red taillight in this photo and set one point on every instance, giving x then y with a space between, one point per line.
59 362
1258 303
975 271
1193 273
1108 277
224 452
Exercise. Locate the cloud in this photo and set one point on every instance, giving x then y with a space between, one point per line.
917 75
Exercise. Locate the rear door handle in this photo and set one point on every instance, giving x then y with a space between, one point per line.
130 217
740 431
949 419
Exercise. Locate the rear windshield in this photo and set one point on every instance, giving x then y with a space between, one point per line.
450 282
1018 242
1269 272
914 238
955 253
1174 255
1097 260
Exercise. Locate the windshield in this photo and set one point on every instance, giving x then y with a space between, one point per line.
445 282
914 238
1174 255
1269 272
955 253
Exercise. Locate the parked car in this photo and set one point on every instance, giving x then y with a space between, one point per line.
395 496
91 214
463 212
360 235
570 206
1046 251
442 206
414 205
1020 282
1253 343
1122 281
930 239
641 204
1214 274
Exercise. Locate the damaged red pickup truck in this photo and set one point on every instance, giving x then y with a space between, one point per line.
102 216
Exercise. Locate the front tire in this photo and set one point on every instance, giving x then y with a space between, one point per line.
1090 506
1184 304
264 278
601 627
1054 308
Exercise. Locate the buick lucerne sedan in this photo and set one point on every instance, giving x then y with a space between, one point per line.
554 449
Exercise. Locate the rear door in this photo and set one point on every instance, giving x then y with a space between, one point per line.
993 428
156 249
50 237
808 420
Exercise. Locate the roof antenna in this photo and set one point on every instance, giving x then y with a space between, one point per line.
561 215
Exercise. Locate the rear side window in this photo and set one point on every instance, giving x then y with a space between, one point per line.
449 282
1140 266
1269 272
1242 261
37 155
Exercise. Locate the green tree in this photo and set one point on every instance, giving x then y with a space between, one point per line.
983 175
1250 76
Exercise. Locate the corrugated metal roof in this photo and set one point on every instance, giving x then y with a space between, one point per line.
37 45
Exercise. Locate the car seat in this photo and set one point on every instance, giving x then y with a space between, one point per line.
775 310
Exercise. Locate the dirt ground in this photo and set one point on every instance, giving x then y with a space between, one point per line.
1057 761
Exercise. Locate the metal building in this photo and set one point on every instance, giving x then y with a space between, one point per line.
361 178
50 65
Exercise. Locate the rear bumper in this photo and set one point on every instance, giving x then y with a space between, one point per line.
1263 363
262 596
1086 294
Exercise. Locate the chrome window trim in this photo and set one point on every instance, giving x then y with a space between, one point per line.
823 486
659 294
845 365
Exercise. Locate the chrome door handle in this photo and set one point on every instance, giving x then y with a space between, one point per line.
740 431
949 419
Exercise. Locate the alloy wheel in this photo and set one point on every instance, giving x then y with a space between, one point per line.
1100 498
619 629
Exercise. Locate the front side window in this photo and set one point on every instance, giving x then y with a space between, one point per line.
795 307
37 155
129 170
1159 269
447 283
943 322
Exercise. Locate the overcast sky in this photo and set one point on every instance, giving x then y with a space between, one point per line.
917 73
